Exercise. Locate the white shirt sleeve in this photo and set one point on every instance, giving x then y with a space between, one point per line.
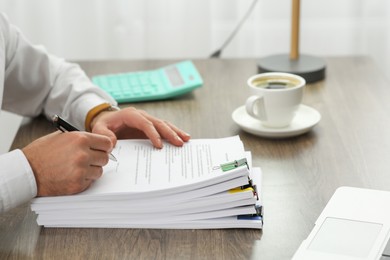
33 82
36 82
17 181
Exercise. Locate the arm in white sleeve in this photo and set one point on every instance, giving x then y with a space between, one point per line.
33 82
37 82
17 181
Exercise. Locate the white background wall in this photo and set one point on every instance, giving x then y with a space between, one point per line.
137 29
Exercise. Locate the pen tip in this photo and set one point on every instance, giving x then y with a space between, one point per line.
112 157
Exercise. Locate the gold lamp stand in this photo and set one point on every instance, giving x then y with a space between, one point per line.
310 68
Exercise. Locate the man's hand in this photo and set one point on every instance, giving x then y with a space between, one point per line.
67 163
132 123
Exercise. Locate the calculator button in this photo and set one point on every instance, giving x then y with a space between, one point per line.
136 90
143 81
132 81
146 90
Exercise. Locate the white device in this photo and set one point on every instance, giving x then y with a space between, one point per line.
354 225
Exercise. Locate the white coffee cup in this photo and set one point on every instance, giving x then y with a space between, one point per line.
276 97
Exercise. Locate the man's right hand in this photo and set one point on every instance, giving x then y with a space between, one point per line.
67 163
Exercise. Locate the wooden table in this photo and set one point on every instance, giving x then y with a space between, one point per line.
350 146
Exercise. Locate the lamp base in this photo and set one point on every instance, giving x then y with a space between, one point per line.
310 68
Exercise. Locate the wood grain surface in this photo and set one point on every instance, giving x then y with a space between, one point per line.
349 147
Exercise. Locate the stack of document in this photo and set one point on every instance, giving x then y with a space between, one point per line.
206 184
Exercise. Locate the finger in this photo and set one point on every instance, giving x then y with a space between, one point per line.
100 142
168 131
142 123
94 173
151 133
98 158
183 135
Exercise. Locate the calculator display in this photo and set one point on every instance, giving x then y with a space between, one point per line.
174 76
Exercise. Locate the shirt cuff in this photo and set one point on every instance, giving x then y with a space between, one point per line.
17 181
81 108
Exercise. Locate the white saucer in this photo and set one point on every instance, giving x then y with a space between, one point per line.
305 119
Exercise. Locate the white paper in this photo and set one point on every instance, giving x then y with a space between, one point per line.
163 187
141 167
149 172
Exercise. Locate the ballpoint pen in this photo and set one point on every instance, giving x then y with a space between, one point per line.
64 126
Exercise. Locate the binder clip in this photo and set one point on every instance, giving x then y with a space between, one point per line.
259 215
252 186
232 165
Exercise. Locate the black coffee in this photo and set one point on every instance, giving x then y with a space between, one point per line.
274 84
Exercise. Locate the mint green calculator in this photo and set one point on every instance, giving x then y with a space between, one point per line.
162 83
